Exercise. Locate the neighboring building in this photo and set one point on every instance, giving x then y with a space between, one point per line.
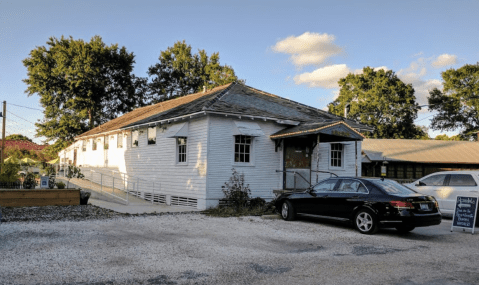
189 145
413 159
26 145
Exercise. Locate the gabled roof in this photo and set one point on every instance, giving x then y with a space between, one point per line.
233 98
425 151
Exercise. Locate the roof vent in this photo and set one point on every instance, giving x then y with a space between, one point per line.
204 89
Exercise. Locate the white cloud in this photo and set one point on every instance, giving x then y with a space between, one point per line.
444 60
414 75
328 76
325 77
309 48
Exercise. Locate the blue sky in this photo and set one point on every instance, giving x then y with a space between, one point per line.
295 49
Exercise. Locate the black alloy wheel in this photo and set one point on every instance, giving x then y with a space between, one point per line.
365 222
405 229
287 211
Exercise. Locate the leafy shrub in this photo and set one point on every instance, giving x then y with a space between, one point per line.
74 172
257 203
10 172
235 190
60 185
238 201
30 182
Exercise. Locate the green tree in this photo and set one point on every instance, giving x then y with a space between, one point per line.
180 72
81 85
457 105
444 137
18 137
379 99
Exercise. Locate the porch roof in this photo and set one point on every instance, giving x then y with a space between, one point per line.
338 128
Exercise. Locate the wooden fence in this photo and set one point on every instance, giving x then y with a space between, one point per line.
39 197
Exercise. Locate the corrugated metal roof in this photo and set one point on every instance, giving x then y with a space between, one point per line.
427 151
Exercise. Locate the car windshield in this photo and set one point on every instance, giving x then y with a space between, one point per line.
392 187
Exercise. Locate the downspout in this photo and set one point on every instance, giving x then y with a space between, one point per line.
356 155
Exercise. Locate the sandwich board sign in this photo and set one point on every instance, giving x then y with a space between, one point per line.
44 182
465 213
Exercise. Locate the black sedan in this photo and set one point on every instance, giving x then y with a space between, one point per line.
369 203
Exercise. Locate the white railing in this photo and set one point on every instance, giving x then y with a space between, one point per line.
126 184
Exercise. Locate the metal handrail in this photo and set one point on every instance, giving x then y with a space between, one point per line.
126 179
295 173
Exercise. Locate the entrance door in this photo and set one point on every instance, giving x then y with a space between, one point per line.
297 158
75 157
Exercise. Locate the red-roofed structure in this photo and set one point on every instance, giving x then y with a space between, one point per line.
23 145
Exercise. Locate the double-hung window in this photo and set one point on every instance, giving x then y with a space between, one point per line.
93 144
337 155
83 145
152 135
134 138
243 146
181 149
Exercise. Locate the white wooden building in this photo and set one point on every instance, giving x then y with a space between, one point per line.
189 145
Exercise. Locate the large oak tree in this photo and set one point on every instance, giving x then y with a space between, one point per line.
380 99
81 85
457 104
179 72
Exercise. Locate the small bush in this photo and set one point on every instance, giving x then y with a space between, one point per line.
235 190
10 172
60 185
30 182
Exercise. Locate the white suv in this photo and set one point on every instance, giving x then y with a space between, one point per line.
446 185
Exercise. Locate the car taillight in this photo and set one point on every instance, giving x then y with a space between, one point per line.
401 205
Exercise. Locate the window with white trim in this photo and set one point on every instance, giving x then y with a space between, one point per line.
151 135
93 144
243 149
83 145
119 140
134 138
181 149
336 155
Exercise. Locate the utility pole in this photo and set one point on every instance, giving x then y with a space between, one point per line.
4 115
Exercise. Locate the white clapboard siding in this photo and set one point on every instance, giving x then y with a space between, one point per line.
158 162
260 174
324 152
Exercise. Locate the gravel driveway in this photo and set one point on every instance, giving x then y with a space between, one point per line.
196 249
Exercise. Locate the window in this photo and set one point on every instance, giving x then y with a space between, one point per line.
435 180
351 186
243 148
325 186
83 145
336 155
105 142
392 187
93 144
152 135
181 146
119 140
134 138
461 180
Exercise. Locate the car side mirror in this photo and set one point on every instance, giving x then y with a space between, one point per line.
420 184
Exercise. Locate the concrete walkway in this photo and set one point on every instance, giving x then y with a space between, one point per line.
135 206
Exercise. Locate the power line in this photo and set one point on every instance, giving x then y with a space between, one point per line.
25 107
20 117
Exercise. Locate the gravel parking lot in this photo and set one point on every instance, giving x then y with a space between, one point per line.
196 249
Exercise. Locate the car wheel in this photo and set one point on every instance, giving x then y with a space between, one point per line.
405 229
365 222
287 211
